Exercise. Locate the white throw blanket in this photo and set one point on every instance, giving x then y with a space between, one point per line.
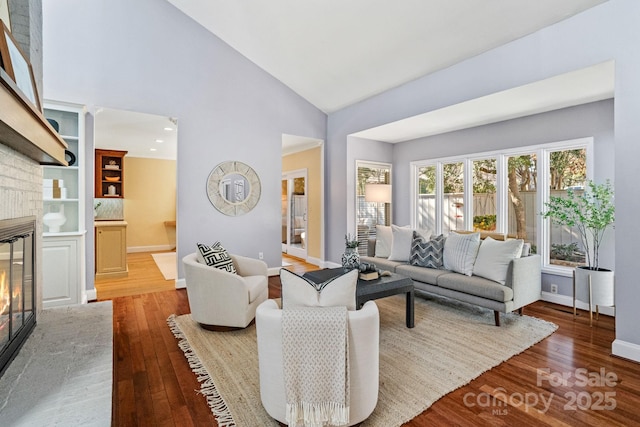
315 354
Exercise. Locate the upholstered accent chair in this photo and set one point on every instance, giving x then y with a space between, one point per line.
220 298
364 330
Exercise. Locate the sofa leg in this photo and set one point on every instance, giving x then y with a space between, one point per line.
521 311
496 315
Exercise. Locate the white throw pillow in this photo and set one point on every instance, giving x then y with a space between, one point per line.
401 243
460 252
494 257
383 241
338 291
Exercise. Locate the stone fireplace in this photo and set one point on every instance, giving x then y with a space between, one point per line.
26 142
17 285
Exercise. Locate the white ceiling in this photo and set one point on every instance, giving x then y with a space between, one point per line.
335 53
141 134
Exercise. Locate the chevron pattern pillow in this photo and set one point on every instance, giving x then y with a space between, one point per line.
427 253
216 256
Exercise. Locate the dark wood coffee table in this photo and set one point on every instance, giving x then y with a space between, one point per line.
367 290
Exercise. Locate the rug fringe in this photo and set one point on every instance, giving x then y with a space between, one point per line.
207 387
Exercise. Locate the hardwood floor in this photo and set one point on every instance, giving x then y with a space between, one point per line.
154 386
144 277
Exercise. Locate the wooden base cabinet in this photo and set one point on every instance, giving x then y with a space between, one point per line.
111 249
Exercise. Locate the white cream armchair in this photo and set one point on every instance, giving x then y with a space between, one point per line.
220 298
364 330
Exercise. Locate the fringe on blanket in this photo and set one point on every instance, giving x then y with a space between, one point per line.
207 387
311 414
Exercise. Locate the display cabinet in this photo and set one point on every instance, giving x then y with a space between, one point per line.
63 198
109 173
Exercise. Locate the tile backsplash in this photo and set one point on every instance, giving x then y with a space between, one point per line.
109 209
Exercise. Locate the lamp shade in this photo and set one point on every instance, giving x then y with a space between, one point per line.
379 193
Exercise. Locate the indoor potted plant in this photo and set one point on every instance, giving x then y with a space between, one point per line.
350 257
590 213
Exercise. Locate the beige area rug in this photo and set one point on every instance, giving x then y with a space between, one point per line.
166 262
452 343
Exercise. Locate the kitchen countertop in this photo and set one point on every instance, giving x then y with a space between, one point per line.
109 223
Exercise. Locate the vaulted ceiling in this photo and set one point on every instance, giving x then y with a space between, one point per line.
335 53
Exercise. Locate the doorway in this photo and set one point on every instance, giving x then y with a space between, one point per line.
294 213
149 202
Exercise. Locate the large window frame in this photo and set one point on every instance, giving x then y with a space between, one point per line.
543 225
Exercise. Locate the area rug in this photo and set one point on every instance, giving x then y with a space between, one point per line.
63 374
452 343
166 263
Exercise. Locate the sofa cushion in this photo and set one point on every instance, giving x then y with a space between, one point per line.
421 274
383 241
494 257
299 291
382 263
460 252
475 285
425 252
216 256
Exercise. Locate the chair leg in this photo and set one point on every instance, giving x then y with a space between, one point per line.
496 315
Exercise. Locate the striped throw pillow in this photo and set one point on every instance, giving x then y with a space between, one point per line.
460 251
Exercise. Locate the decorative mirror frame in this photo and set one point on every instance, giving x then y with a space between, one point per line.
226 207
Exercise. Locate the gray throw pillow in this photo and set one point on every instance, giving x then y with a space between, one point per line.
427 253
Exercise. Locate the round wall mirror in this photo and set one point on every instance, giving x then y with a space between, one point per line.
233 188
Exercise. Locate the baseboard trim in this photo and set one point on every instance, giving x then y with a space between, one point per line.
156 248
181 284
330 264
315 261
91 294
626 350
567 301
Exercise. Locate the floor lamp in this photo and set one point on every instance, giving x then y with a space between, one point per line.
379 193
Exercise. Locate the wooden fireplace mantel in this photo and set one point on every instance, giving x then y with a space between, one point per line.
24 128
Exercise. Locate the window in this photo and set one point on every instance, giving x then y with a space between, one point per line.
369 213
505 192
522 181
567 170
453 188
484 194
426 198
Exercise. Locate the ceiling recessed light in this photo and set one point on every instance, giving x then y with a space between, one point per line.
153 149
168 128
159 140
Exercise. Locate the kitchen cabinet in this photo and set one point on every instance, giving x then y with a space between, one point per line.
109 174
111 249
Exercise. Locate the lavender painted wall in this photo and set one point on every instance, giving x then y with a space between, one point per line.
147 56
605 32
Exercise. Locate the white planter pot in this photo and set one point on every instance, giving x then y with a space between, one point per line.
602 286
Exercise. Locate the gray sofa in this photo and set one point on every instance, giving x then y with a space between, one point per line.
522 287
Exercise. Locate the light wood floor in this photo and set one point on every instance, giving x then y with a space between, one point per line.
144 277
154 386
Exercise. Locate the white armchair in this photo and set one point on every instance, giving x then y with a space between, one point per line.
364 330
220 298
